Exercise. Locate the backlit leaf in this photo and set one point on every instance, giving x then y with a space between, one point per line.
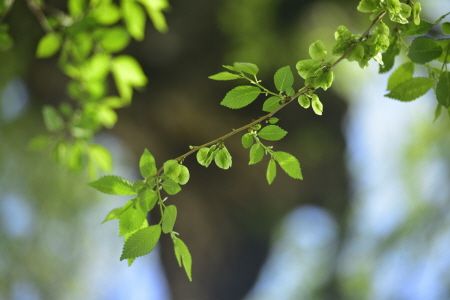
171 187
147 164
127 74
134 17
272 133
142 242
48 45
403 73
317 50
424 49
223 158
284 78
316 105
304 101
114 185
172 169
168 219
131 218
225 76
114 39
256 154
271 104
289 164
241 96
248 68
147 199
113 214
411 89
184 176
155 10
184 256
271 171
247 140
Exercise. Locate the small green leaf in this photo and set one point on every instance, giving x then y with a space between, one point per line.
403 73
52 119
367 6
271 171
317 50
273 120
223 158
248 68
416 13
316 105
445 56
272 133
284 78
241 96
289 164
127 74
202 156
131 218
76 7
184 256
247 140
147 164
225 76
446 28
134 17
147 199
101 157
290 92
424 49
184 176
168 219
307 66
106 13
48 45
155 10
172 169
271 104
256 153
171 187
412 28
114 39
141 243
304 101
443 89
411 89
113 185
113 214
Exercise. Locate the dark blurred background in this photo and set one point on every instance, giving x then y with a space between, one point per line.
368 221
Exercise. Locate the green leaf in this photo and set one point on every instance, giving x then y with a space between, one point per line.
316 105
131 218
223 158
388 57
416 13
127 74
248 68
101 157
113 214
445 56
147 199
155 10
321 79
241 96
424 49
202 156
411 89
142 242
256 153
290 92
247 140
114 39
367 6
52 119
273 120
184 176
304 101
106 13
168 219
147 164
182 254
403 73
76 7
272 133
412 28
172 169
271 171
446 28
317 50
271 104
225 76
307 66
284 78
443 89
113 185
171 187
48 45
289 164
134 17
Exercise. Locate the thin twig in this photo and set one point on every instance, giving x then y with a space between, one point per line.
40 16
289 100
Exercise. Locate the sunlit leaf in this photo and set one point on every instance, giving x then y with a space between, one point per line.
271 171
131 218
142 242
48 45
147 164
241 96
289 164
411 89
272 133
284 78
113 214
168 219
184 256
114 185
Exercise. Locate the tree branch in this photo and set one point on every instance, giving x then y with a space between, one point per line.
288 100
